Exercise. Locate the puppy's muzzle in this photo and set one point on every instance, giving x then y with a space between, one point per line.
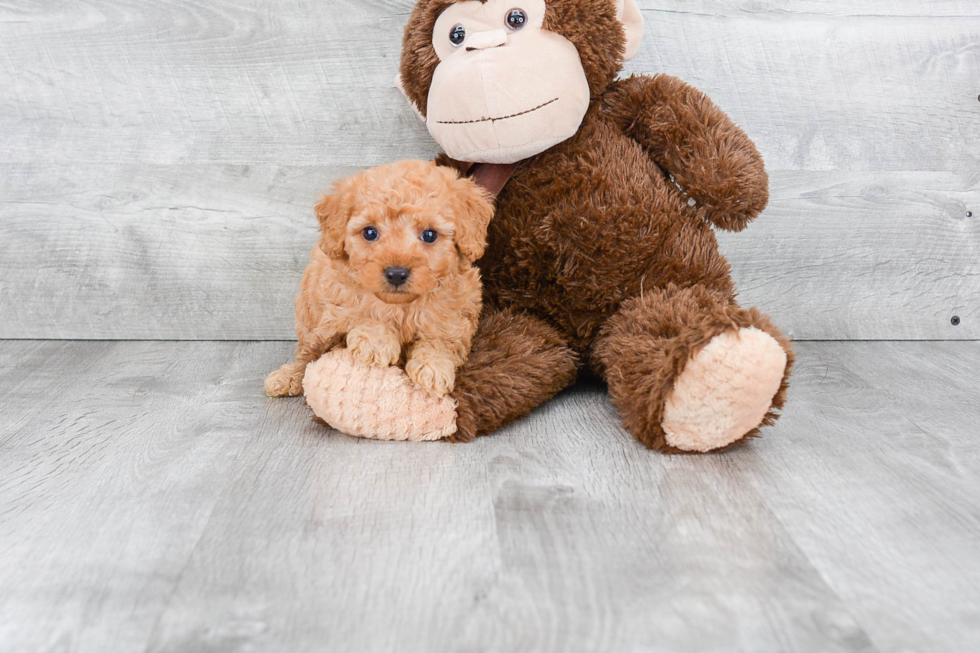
397 277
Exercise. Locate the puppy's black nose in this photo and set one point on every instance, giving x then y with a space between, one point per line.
397 276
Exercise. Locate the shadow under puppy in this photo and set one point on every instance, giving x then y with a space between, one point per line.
393 275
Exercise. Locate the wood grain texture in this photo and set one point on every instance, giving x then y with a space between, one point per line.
864 256
153 499
158 159
217 253
876 85
865 540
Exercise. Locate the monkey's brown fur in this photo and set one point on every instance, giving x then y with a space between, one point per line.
595 257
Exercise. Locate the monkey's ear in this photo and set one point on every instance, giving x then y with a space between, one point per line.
629 14
401 87
473 208
333 215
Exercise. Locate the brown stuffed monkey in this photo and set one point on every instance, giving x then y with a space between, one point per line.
602 254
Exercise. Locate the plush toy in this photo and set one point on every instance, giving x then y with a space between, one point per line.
602 254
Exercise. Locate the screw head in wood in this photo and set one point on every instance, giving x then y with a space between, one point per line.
955 321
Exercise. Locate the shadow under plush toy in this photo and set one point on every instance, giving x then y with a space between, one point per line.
602 253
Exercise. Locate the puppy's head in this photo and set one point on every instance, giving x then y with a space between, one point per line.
404 227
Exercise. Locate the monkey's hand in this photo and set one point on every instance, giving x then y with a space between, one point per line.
375 402
682 130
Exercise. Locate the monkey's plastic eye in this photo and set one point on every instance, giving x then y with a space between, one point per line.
429 236
457 35
516 19
371 234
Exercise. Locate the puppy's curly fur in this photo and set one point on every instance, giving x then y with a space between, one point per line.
370 225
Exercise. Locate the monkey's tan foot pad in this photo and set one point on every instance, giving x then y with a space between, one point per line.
380 403
725 391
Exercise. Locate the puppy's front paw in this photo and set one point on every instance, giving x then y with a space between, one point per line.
375 347
437 376
284 382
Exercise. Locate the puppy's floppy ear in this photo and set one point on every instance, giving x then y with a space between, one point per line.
473 208
333 212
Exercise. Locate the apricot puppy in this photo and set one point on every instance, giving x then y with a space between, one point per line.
393 275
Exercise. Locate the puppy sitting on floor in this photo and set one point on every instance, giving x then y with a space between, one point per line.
393 275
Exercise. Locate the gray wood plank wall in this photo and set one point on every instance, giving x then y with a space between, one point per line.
159 160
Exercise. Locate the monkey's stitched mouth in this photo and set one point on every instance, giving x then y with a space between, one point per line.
515 115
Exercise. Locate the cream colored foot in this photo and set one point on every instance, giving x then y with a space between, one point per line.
725 391
380 403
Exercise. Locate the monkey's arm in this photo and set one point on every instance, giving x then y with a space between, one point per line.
688 136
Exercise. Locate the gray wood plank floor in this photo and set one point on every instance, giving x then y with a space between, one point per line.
151 499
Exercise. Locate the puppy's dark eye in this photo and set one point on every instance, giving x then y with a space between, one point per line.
429 236
457 35
516 19
371 234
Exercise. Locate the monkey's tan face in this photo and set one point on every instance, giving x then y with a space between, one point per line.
505 88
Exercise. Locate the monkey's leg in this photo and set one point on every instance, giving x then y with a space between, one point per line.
691 371
517 363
